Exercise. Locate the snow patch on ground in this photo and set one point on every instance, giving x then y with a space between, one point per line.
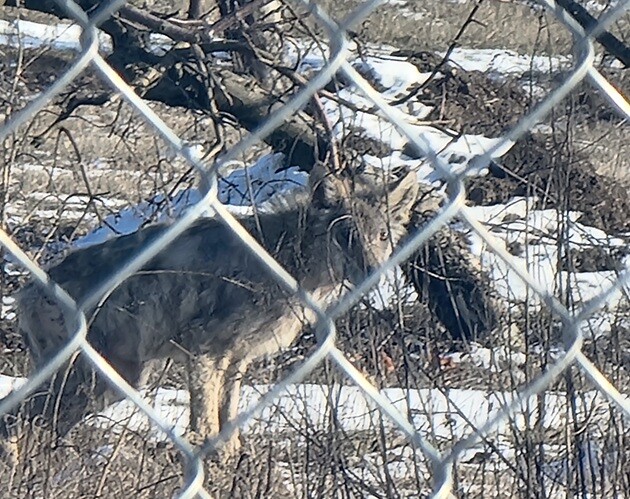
62 37
256 183
535 234
450 414
432 410
506 62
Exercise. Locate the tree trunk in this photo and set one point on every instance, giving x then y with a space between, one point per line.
187 75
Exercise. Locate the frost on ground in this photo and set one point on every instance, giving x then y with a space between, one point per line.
529 234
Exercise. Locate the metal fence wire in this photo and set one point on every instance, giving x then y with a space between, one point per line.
442 461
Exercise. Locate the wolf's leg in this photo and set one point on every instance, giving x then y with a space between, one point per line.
228 409
206 377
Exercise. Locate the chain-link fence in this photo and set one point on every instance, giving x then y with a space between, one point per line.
441 461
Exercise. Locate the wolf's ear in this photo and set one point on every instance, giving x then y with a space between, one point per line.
402 196
327 190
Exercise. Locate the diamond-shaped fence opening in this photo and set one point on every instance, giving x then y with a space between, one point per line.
324 424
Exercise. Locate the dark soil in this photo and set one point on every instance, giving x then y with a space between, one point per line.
549 167
402 348
560 179
472 102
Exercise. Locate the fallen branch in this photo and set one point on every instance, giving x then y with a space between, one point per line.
610 42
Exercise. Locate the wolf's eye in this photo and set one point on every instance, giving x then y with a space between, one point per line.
384 235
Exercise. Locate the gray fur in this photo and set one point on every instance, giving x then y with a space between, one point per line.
208 301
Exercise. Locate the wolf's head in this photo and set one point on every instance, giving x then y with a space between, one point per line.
366 216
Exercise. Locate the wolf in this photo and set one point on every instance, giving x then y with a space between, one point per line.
206 300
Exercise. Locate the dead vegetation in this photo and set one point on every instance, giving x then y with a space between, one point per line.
104 152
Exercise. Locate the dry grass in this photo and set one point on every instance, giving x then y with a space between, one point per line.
120 157
434 25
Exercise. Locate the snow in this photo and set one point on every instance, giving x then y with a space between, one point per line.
396 78
396 75
537 232
64 36
7 310
9 383
516 222
310 404
259 182
506 62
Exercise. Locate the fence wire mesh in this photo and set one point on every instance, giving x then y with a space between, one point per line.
442 461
